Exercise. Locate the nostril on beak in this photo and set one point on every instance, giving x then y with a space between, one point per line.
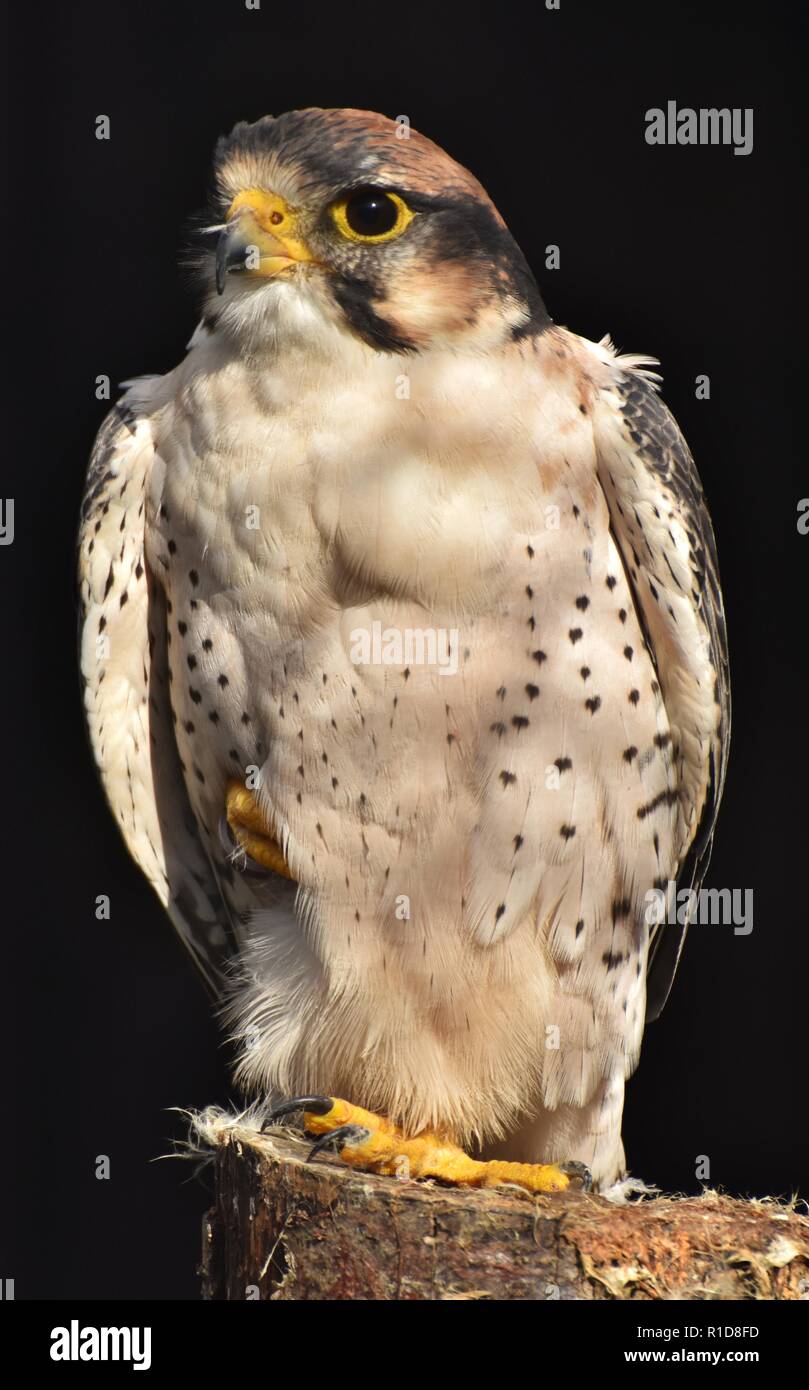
239 238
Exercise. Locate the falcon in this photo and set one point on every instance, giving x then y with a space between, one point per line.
418 888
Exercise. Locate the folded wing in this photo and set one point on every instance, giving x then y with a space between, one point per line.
663 531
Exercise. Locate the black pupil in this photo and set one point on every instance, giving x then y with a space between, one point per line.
370 213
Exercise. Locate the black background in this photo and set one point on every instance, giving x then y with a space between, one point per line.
688 253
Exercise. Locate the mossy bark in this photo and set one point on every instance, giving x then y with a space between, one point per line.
282 1228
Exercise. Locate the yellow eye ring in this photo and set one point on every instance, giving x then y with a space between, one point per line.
367 208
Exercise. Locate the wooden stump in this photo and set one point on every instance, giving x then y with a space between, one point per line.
283 1228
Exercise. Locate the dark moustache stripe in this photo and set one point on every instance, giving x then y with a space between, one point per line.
355 298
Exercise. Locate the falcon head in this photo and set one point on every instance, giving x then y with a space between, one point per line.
345 220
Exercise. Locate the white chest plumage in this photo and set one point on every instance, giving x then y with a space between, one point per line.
460 838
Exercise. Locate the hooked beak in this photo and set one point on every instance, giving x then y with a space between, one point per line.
259 238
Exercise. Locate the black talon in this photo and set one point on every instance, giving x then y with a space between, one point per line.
350 1135
318 1105
579 1170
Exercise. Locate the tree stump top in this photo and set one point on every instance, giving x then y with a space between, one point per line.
282 1228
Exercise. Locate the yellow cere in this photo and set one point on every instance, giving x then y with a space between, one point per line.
267 220
271 212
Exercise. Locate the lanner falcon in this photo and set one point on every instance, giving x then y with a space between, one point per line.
405 664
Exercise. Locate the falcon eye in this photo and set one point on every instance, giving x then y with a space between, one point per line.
371 215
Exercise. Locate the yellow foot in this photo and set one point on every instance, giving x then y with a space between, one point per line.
370 1142
245 818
